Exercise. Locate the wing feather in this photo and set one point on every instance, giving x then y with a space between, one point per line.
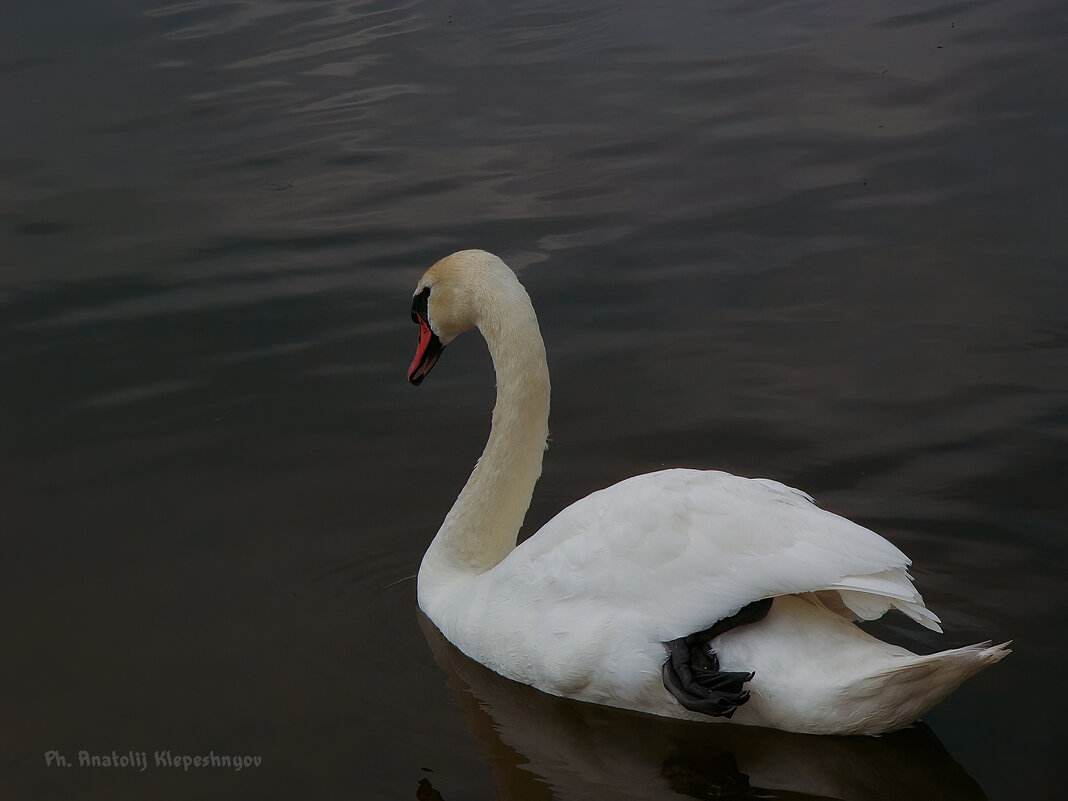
676 550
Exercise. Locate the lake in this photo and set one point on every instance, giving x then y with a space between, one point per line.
822 242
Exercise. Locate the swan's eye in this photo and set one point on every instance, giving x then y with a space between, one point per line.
419 306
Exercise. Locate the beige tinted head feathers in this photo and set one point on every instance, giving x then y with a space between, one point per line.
458 293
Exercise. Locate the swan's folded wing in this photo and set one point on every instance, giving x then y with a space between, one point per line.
676 550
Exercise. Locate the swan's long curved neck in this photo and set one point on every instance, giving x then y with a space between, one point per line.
481 528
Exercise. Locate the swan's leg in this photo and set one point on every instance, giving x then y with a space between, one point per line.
691 672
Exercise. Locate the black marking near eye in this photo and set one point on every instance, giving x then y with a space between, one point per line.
419 303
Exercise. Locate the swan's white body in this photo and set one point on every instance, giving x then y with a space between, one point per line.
583 608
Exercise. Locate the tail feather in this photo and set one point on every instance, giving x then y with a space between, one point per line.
919 682
819 673
967 661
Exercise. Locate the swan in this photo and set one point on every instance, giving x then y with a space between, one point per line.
682 593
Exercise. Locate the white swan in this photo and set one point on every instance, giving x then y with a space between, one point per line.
628 596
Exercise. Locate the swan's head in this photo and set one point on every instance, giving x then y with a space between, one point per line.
453 296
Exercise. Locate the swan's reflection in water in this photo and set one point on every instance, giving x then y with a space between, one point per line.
542 747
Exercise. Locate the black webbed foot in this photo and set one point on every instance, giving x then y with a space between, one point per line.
691 672
699 688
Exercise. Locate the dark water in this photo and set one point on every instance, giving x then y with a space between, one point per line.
819 241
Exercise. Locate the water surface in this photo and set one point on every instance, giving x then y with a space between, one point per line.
822 242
